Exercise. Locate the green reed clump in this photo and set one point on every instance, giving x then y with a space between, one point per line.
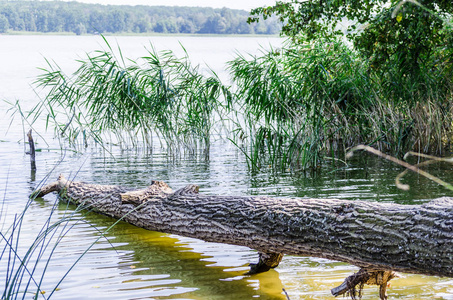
158 94
298 99
292 106
307 100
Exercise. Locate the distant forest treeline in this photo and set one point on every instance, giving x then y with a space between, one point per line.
80 18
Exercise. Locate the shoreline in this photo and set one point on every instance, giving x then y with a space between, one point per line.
27 33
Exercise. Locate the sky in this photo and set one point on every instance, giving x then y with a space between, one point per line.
235 4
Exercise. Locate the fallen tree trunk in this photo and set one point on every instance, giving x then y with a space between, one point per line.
373 236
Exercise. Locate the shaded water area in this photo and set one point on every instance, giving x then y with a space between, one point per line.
132 263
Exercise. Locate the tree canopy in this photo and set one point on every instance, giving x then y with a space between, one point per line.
60 16
405 32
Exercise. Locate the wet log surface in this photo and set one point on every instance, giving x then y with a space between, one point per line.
374 236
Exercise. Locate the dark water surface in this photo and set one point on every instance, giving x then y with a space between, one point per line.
132 263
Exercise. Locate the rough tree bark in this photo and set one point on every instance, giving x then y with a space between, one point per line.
378 237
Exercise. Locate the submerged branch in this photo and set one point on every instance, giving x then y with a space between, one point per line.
401 163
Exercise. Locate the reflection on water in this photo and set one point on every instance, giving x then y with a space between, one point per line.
132 263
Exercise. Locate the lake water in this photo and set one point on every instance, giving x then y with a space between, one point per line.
132 263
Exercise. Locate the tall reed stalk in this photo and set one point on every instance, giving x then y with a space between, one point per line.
25 262
133 100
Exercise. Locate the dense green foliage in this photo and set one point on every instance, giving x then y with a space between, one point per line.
313 19
392 88
306 100
386 32
60 16
407 36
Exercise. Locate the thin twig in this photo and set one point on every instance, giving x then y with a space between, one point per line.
401 163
